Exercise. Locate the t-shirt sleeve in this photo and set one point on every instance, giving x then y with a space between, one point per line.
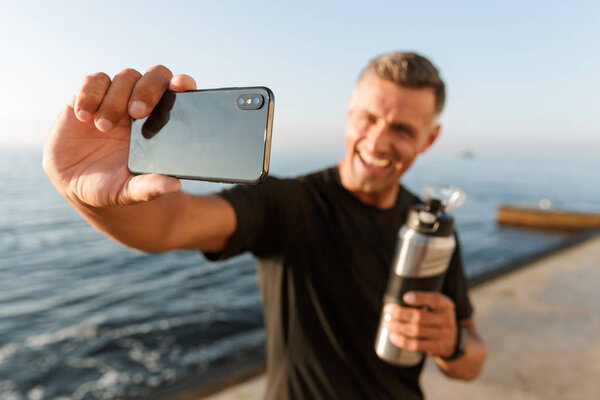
455 285
257 220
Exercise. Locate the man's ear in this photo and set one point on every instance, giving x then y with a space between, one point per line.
433 135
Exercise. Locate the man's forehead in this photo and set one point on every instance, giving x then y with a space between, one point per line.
385 98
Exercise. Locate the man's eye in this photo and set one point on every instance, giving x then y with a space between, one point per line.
403 130
364 117
368 118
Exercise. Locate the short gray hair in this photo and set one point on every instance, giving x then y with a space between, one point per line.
410 70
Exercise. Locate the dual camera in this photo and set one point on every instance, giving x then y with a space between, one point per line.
249 101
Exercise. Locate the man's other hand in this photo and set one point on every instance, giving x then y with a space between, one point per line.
428 326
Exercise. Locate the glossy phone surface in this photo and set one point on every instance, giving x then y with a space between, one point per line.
221 135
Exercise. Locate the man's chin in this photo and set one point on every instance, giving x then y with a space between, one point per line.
374 185
377 178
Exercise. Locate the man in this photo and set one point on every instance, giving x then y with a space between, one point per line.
324 241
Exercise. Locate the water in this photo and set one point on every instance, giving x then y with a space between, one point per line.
82 317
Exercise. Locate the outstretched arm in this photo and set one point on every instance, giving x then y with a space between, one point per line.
85 157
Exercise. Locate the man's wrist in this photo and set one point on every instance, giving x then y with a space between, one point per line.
461 344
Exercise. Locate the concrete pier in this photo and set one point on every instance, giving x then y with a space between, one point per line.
541 324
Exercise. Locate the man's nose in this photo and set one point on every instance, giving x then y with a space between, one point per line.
378 138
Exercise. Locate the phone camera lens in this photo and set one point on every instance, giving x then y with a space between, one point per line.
249 101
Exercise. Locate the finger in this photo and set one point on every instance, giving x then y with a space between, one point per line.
415 331
114 105
159 116
148 91
182 83
419 316
141 188
430 347
398 313
432 300
401 313
405 343
395 310
90 95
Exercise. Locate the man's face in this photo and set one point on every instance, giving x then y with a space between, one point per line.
388 126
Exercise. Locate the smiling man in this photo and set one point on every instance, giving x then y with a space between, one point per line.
388 126
324 241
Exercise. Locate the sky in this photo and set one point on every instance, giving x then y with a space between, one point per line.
522 76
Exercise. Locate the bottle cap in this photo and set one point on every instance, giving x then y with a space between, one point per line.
431 218
450 197
429 223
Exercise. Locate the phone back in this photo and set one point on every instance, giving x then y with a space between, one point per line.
221 135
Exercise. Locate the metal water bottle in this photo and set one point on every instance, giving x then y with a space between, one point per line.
424 248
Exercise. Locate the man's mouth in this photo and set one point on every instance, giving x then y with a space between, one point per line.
373 161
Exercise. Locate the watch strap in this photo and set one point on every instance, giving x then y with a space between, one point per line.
461 344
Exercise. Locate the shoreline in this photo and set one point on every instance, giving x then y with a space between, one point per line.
520 262
200 392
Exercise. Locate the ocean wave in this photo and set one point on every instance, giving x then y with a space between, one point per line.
151 354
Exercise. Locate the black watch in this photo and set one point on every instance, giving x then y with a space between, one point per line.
461 345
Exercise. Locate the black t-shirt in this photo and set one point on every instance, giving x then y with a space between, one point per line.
324 260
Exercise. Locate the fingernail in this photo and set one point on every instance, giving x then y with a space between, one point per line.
409 297
83 115
137 108
104 125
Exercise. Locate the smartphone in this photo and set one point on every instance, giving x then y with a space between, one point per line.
217 135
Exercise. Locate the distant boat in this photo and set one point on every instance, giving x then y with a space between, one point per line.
467 153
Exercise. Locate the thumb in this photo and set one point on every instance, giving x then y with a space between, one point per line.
140 188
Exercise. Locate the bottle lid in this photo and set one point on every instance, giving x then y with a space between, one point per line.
431 218
450 197
427 222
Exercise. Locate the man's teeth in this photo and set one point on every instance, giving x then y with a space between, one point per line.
369 159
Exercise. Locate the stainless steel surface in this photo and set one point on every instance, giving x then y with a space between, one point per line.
421 256
418 256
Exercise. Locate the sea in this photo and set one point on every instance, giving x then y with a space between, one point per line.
82 317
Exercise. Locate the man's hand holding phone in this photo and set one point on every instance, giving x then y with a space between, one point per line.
85 154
